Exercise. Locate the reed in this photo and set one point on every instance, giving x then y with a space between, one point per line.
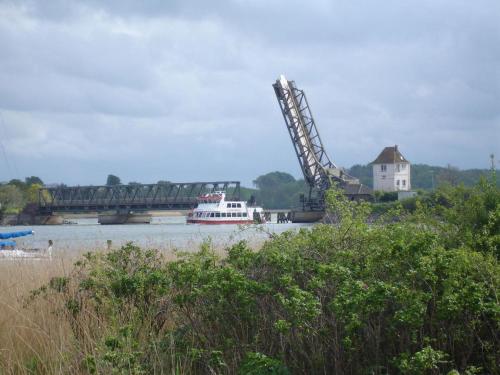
35 336
31 339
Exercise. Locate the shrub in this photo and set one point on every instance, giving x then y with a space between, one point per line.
417 295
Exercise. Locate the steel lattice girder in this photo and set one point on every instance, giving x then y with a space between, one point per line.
164 196
306 140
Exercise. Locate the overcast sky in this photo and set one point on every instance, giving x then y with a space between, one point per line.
181 90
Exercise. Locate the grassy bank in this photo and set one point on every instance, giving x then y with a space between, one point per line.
413 296
31 337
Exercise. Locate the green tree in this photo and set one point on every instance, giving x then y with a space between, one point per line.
18 183
113 180
273 180
31 194
33 180
278 190
11 198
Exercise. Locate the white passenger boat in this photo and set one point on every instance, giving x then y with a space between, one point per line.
214 209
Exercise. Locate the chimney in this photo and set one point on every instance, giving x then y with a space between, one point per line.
395 147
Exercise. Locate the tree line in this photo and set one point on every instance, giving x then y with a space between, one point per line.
272 190
16 194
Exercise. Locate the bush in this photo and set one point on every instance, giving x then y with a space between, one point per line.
418 295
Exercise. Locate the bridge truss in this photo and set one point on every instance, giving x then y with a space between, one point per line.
318 170
133 197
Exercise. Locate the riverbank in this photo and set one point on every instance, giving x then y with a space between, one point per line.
414 296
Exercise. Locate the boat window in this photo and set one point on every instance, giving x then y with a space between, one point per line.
233 205
244 214
233 214
217 214
223 214
239 214
229 205
238 205
212 214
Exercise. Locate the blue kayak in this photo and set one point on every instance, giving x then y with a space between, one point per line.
22 233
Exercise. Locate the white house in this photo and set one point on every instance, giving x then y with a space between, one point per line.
391 171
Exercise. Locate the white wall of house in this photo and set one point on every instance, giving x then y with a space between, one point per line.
391 177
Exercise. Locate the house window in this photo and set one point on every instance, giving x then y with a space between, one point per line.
397 182
404 182
383 168
403 166
399 167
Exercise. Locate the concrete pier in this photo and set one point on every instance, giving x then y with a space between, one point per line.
283 216
307 216
123 218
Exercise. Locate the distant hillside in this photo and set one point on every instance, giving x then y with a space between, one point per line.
425 176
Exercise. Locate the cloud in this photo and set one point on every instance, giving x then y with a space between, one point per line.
182 90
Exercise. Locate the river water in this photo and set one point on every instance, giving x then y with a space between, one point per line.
164 233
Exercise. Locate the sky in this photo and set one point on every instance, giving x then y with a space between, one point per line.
182 90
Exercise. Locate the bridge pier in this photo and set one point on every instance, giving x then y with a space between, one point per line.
25 219
307 216
124 218
48 220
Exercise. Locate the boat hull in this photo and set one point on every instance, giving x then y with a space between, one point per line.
214 222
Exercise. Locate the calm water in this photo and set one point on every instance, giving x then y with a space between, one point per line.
163 233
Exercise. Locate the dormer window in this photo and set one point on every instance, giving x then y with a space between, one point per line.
383 168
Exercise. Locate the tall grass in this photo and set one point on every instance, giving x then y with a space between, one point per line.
36 336
32 339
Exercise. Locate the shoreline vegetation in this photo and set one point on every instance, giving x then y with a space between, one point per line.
415 292
274 190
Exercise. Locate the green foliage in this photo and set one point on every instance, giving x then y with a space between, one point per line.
414 293
260 364
428 177
11 198
112 180
386 196
33 180
16 194
279 190
59 284
423 361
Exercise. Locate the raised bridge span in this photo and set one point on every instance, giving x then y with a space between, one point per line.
133 197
